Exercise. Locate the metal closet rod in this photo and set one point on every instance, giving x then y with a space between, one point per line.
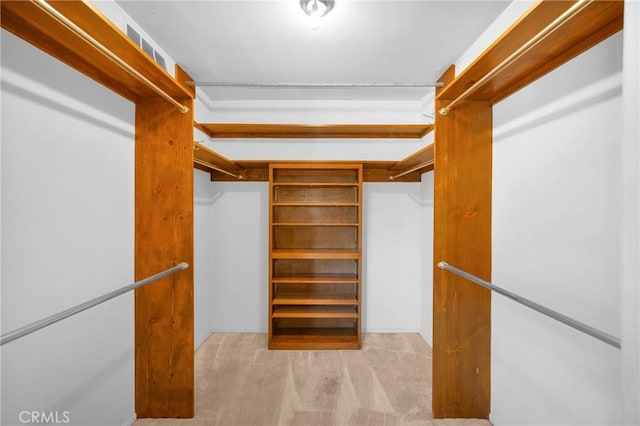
568 14
45 322
217 169
310 85
406 172
45 7
593 332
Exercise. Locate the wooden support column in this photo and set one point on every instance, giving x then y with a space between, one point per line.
164 352
462 238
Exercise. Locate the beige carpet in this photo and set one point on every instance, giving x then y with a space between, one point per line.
241 383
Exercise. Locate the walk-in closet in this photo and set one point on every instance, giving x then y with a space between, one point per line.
320 212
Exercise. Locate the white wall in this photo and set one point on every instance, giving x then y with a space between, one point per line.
557 203
391 269
508 16
317 111
202 247
426 258
240 256
67 236
391 257
318 149
630 296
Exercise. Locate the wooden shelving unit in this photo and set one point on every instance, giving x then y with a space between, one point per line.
315 256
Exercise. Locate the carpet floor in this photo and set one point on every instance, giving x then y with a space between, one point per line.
239 382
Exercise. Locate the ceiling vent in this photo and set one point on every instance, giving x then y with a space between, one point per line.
146 46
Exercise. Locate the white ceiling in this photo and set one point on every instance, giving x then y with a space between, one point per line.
409 42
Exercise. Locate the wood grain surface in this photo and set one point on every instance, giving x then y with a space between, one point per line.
164 319
462 237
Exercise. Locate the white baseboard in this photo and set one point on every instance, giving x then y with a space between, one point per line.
130 420
390 330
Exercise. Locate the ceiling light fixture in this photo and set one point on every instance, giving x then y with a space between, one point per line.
316 9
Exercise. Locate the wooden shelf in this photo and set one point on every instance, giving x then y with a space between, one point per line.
316 184
596 22
29 22
328 312
317 279
315 254
315 338
313 299
203 153
316 332
344 131
317 204
314 224
417 163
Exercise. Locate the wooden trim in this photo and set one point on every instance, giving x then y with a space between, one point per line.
304 131
29 22
462 237
164 339
596 22
315 165
182 78
312 342
272 275
360 250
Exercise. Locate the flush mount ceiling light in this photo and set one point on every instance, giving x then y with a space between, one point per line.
316 9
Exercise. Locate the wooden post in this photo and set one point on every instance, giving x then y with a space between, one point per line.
164 352
462 238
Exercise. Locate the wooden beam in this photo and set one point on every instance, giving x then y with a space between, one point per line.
462 237
241 130
593 24
29 22
164 341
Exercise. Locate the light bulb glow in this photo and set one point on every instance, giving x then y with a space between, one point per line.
316 9
314 21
